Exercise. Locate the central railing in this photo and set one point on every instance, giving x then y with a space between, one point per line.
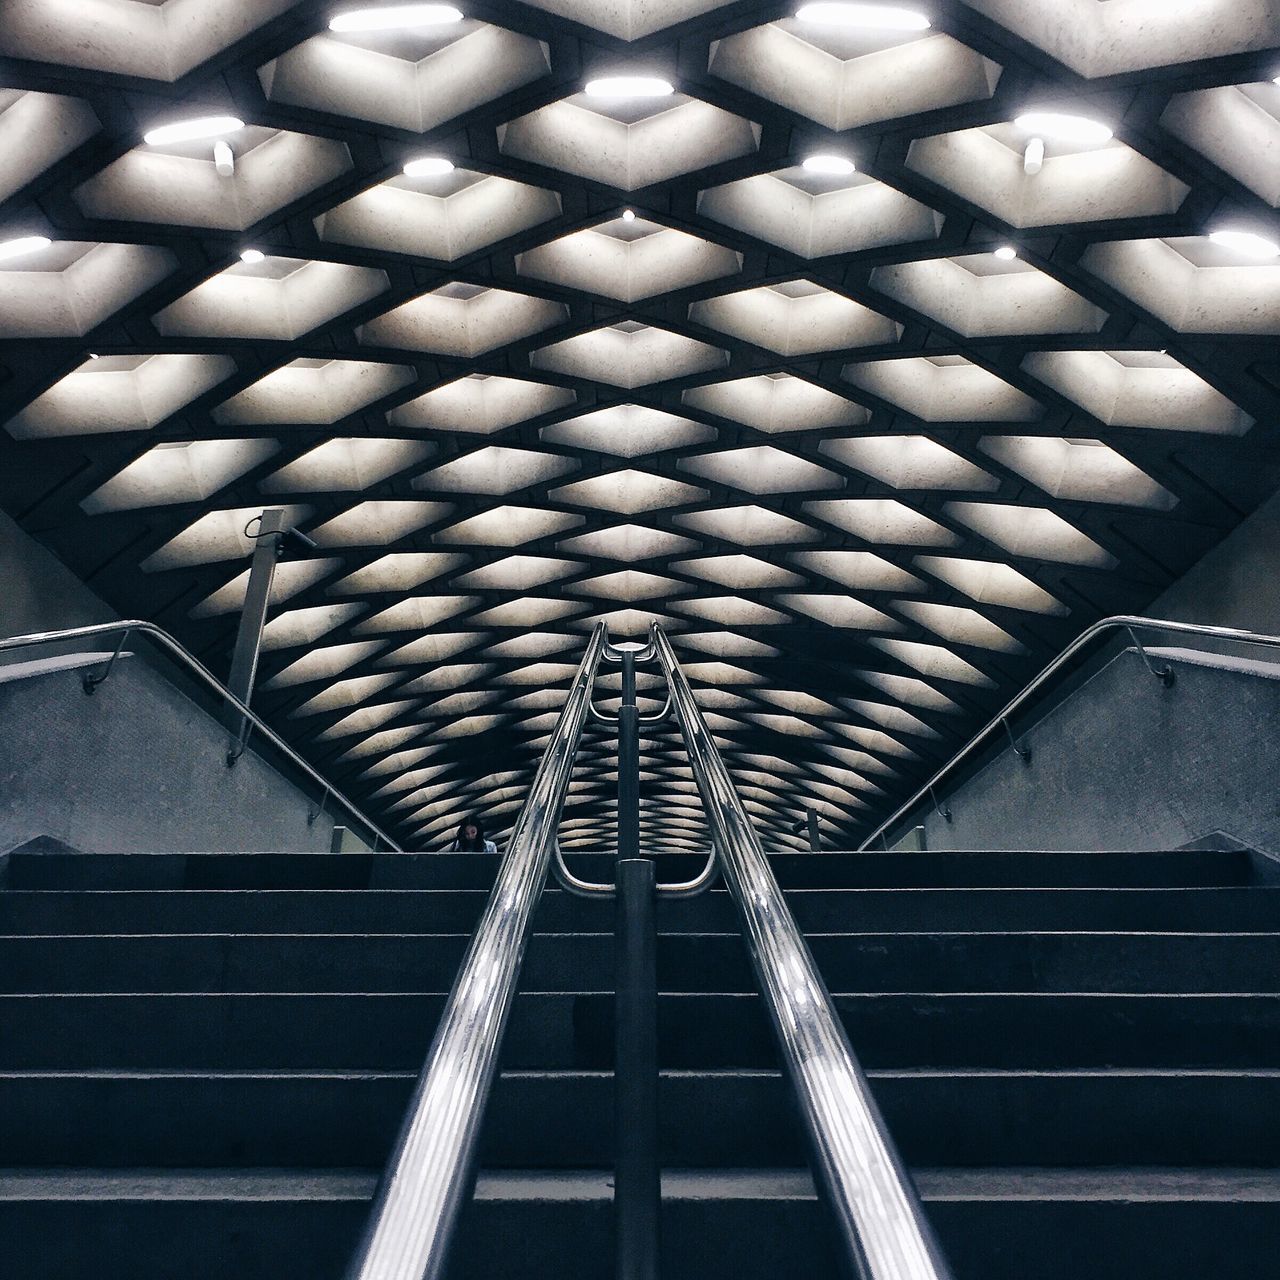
882 1230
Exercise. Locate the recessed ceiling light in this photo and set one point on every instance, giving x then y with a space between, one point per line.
1246 244
629 87
22 245
428 167
1006 253
1060 127
192 130
252 255
628 215
395 17
873 17
829 164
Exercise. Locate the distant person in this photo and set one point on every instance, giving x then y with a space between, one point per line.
471 839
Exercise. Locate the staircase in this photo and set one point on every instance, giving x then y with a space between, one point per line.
204 1060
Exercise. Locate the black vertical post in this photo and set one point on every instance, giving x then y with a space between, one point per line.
637 1187
628 763
637 1193
815 839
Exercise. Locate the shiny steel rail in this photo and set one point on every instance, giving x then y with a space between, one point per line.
428 1177
881 1224
184 658
1120 622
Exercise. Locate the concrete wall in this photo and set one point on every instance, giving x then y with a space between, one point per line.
1237 584
39 592
136 766
1126 763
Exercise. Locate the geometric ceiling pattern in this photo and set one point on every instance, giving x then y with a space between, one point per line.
876 359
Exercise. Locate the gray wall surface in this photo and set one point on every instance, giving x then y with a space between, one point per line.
1126 763
39 592
136 767
1237 584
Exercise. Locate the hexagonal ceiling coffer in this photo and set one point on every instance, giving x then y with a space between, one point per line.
847 78
462 320
72 287
796 318
409 79
1189 285
480 404
816 216
776 403
628 259
629 355
273 168
310 391
1138 389
628 431
1097 39
1238 127
986 167
280 298
944 389
119 393
443 217
155 41
576 136
979 296
629 19
36 131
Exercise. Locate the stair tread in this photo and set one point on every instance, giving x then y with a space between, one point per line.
934 1184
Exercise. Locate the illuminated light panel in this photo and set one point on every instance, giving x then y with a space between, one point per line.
396 17
835 166
1245 243
192 130
1058 126
620 87
1006 253
22 246
428 167
867 17
252 256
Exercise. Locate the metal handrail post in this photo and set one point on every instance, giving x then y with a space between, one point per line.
881 1225
628 763
1121 622
429 1175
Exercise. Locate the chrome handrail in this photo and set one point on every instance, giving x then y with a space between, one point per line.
428 1176
173 649
882 1226
1119 622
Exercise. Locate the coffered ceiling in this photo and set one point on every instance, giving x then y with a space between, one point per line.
871 436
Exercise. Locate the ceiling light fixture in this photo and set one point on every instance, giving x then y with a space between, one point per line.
396 17
872 17
1006 253
1246 244
629 87
192 130
628 215
224 159
23 245
1059 127
836 165
428 167
252 255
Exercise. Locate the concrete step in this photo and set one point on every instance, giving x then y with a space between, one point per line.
104 911
393 1031
564 1119
877 962
476 871
994 1224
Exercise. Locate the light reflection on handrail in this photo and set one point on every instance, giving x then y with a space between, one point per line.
1121 622
183 657
881 1224
429 1174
